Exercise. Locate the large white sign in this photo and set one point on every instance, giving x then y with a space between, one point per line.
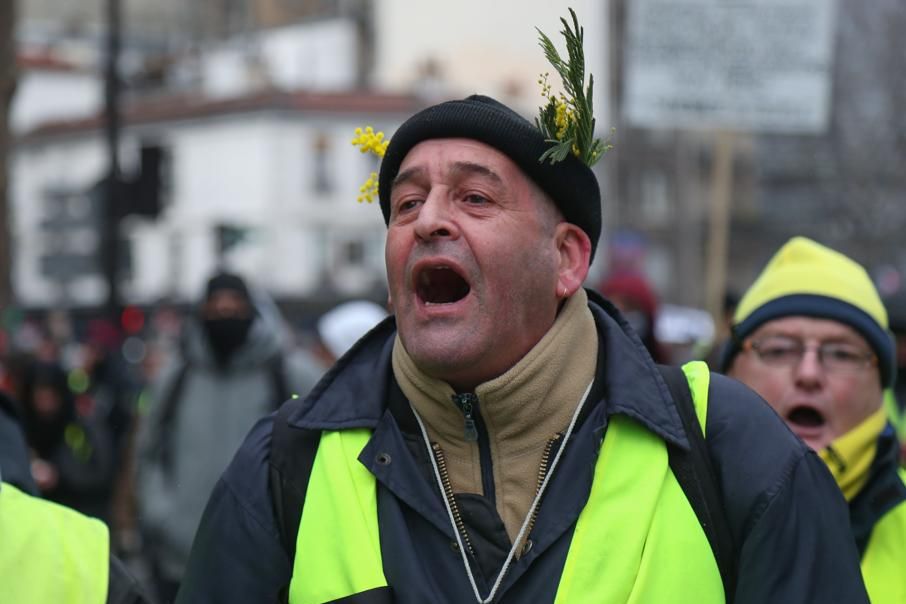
744 65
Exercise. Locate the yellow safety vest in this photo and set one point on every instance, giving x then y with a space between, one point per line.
884 560
50 554
656 552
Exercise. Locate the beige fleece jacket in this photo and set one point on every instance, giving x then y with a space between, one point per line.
523 409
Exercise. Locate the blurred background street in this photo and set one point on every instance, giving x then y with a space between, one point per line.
149 144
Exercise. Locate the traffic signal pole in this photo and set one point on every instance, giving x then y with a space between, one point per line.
7 89
109 256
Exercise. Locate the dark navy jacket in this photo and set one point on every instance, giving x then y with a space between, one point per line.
788 518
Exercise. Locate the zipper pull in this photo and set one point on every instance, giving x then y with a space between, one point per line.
466 402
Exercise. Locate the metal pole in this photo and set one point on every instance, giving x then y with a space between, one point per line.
109 255
719 223
7 89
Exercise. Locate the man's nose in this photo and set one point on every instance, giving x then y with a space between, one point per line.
810 372
435 217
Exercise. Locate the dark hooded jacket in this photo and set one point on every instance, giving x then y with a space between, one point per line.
787 517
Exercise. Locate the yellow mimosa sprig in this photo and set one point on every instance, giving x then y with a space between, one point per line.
369 141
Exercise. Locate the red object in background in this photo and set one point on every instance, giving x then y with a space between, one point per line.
103 335
132 319
84 405
630 291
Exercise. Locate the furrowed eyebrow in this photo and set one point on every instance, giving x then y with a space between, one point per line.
468 168
459 169
406 176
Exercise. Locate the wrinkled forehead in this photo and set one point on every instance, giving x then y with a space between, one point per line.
448 153
460 157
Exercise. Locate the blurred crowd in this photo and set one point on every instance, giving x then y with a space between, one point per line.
133 421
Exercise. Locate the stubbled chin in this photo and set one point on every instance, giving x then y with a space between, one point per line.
815 439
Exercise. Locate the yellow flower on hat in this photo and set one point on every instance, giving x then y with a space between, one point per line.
369 141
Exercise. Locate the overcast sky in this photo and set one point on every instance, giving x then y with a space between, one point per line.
486 46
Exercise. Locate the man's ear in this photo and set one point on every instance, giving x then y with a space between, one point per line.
574 248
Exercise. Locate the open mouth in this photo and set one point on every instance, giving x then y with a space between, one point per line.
441 285
806 417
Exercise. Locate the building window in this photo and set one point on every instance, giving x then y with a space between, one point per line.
353 253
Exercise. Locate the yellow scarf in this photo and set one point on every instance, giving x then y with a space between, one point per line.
850 456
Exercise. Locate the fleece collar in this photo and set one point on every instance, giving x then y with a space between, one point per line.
353 393
521 411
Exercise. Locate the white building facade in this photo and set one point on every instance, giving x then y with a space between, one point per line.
277 167
257 173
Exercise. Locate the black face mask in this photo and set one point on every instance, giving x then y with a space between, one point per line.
226 336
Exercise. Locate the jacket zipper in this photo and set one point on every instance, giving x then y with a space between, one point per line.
467 403
474 430
542 474
448 493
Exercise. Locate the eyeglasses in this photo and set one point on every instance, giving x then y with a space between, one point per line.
838 357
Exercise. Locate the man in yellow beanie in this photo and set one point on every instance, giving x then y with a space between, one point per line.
811 337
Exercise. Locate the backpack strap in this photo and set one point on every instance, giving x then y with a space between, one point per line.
292 457
166 417
696 476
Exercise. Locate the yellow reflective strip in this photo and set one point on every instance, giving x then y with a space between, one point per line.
338 551
612 531
638 540
882 563
699 377
50 553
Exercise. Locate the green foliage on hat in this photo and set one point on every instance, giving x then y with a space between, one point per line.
568 120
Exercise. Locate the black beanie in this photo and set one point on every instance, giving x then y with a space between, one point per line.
228 281
569 183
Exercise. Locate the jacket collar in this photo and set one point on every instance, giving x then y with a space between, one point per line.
353 393
633 385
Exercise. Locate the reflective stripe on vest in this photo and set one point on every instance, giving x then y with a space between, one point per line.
338 549
885 556
50 554
655 551
639 540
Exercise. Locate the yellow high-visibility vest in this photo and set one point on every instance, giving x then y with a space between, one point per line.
885 556
50 554
656 551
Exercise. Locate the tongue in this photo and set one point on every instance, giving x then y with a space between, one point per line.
806 416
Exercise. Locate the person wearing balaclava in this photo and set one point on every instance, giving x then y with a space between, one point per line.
226 316
231 369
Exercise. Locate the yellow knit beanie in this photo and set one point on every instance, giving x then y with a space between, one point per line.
805 278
